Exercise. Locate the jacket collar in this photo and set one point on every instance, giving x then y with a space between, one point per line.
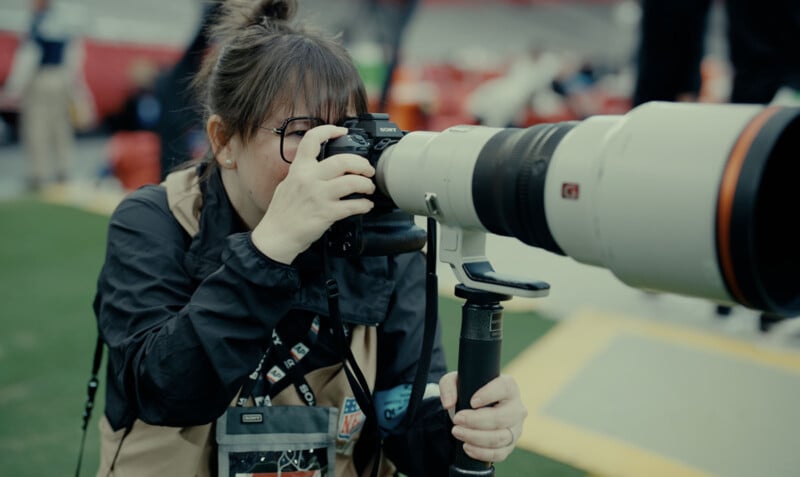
217 220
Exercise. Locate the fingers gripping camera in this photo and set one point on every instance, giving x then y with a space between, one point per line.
385 229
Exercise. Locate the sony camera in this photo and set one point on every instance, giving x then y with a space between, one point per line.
657 196
386 229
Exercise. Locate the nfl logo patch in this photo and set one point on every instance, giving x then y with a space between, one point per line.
351 420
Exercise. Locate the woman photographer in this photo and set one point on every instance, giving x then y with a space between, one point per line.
213 301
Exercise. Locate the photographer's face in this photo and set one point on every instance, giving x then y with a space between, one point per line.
250 171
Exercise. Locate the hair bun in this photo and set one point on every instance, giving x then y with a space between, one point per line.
277 9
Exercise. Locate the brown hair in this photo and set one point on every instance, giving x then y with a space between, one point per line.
263 61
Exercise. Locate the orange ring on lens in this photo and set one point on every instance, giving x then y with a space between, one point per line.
727 193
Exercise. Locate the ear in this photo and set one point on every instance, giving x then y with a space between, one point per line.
220 145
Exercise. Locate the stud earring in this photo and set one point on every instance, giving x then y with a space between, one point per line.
228 162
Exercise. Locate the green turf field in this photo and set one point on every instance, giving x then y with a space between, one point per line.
49 259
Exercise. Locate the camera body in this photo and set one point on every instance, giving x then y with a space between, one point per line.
386 229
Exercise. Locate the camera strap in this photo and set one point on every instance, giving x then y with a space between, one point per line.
355 377
429 332
91 391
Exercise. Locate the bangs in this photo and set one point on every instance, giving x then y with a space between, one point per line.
291 73
327 85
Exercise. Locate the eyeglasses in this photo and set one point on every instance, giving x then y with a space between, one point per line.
292 131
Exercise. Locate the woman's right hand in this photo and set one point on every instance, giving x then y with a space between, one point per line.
308 201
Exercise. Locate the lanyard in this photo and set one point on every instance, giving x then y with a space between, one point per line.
286 363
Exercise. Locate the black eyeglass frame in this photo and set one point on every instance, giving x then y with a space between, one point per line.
281 131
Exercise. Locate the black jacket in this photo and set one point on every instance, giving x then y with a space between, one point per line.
186 319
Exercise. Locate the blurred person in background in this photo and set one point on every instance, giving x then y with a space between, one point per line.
762 40
373 34
46 82
134 148
141 109
215 295
180 123
398 14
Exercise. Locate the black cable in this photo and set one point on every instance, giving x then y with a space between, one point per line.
429 333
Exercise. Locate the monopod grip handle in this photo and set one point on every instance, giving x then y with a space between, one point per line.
478 363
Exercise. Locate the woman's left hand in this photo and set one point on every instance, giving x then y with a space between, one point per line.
489 433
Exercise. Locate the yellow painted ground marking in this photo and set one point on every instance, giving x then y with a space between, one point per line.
547 366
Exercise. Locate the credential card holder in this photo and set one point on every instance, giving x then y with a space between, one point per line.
277 440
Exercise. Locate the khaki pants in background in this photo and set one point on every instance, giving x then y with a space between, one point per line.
46 127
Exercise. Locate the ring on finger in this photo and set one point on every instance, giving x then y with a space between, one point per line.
511 434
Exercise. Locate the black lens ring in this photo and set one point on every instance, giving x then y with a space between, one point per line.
508 183
762 255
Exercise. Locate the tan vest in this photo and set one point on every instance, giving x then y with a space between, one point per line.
172 451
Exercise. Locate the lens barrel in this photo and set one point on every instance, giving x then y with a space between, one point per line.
693 199
757 254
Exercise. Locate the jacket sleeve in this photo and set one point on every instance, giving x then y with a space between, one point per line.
178 350
425 446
